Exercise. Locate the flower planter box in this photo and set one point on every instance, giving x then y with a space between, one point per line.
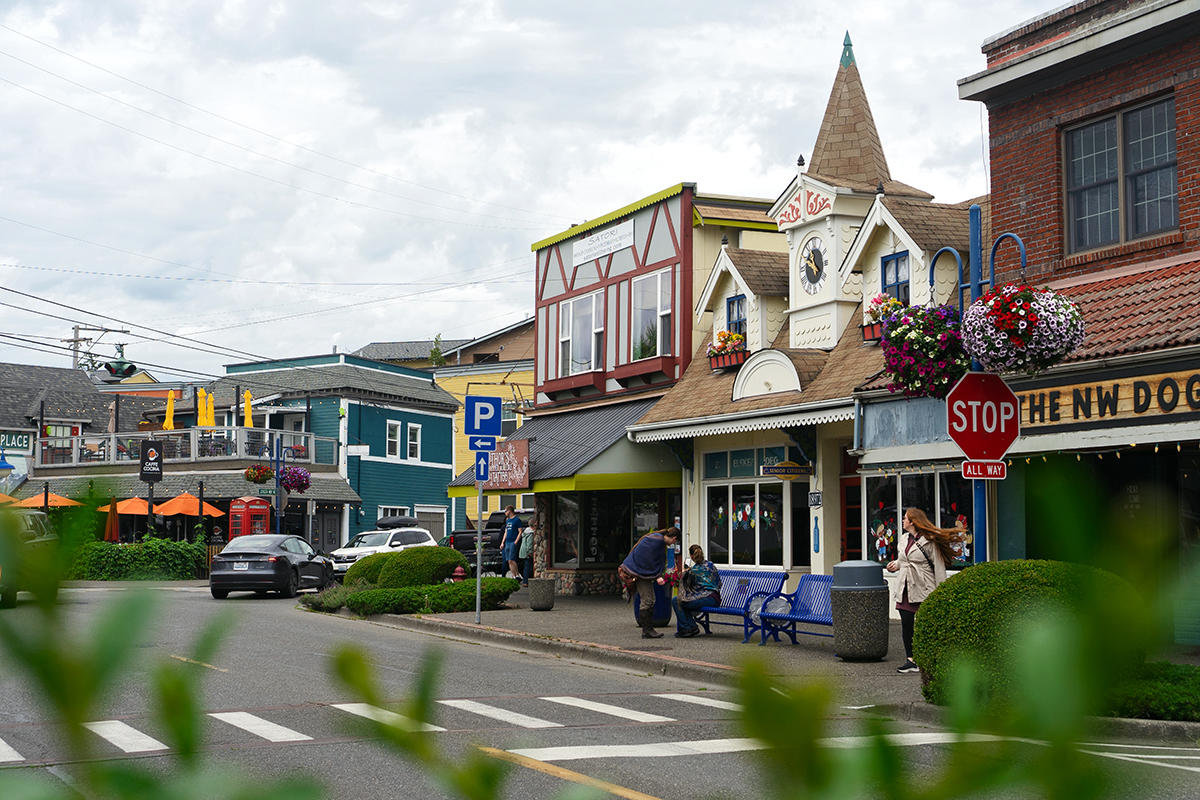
872 331
734 358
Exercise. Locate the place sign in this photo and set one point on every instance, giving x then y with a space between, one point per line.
787 470
16 440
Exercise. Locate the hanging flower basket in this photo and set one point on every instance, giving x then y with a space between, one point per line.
295 479
923 351
259 474
1017 328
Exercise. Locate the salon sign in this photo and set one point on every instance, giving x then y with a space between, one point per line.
1110 399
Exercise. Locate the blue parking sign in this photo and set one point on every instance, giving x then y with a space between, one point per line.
483 416
481 466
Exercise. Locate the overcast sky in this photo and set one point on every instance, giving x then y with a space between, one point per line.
281 178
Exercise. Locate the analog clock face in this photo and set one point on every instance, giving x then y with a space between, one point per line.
814 258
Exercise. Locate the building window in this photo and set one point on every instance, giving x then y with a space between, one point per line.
393 439
414 442
895 276
652 316
1121 177
885 496
735 315
508 418
391 511
745 508
580 335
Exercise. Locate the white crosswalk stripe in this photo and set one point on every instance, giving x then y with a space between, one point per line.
260 727
386 717
652 750
127 738
7 754
501 714
605 708
701 700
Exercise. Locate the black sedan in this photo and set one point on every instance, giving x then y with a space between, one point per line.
268 563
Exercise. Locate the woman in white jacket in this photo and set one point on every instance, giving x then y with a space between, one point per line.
924 551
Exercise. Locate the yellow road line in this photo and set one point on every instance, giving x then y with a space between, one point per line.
201 663
566 774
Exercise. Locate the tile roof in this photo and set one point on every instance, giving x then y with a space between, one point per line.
328 486
67 393
405 351
562 444
937 225
335 379
1137 310
702 393
765 272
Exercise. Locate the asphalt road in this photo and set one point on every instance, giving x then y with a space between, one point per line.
280 713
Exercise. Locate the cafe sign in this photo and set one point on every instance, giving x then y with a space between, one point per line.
16 440
1109 399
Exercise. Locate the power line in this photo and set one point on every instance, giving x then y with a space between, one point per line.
270 135
253 174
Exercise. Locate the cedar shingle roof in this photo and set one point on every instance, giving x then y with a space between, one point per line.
1137 310
937 225
702 393
67 394
712 212
765 272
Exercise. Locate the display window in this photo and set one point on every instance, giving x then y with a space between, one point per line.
747 514
945 497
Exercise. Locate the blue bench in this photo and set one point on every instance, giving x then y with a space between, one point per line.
808 605
737 587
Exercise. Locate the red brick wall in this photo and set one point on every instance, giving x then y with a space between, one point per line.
1026 162
1050 27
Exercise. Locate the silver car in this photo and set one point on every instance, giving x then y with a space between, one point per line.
403 535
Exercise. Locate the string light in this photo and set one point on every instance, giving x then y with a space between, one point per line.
1077 457
1178 447
1118 454
1156 447
1101 456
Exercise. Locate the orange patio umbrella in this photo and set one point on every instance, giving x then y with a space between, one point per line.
112 525
187 504
56 501
134 505
6 499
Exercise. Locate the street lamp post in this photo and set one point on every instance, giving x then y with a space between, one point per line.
278 461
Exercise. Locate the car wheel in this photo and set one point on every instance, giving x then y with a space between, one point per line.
8 599
292 585
327 580
220 594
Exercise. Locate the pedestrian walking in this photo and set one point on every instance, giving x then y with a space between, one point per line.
509 541
699 587
642 568
525 553
921 564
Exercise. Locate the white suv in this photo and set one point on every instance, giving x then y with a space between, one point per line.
393 533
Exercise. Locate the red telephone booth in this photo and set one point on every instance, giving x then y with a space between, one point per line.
249 515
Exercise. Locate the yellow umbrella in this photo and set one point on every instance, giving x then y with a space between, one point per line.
247 417
201 408
211 413
169 420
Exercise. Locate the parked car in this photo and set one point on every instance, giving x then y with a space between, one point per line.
28 540
268 563
493 559
391 534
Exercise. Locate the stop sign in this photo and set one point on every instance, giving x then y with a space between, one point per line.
982 417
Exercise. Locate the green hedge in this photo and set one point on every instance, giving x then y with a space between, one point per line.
1160 691
366 570
420 566
154 559
982 614
441 598
333 598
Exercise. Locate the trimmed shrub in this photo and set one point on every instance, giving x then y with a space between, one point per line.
982 613
333 598
441 598
366 570
420 566
154 559
1161 690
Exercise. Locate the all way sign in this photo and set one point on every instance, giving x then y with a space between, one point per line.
985 470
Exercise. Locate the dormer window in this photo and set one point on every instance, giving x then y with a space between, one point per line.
580 335
895 276
652 316
735 315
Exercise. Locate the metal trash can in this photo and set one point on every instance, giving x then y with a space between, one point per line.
541 594
859 598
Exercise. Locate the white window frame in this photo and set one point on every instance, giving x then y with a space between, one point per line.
662 309
392 449
410 439
566 342
391 511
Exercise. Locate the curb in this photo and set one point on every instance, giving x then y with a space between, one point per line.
607 655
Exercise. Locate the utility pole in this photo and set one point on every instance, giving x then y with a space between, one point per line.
75 342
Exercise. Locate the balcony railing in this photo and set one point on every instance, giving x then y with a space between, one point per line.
194 445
